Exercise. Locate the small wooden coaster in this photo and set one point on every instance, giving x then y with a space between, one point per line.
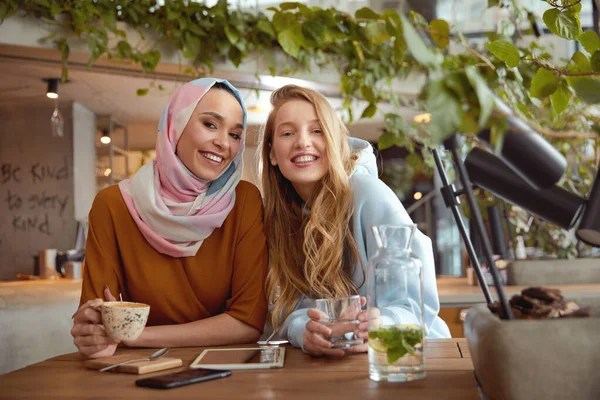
139 367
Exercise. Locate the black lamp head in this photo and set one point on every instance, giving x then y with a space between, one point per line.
554 204
589 228
527 153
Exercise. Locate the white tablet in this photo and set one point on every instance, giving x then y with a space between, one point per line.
246 358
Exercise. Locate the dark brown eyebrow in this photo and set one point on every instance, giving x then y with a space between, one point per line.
221 118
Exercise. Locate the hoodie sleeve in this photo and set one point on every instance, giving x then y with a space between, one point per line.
376 204
293 327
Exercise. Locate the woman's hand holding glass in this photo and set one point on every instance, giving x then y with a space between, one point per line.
318 336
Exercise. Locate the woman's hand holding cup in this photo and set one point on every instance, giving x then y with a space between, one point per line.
88 331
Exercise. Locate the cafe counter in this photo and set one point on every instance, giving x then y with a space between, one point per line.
35 320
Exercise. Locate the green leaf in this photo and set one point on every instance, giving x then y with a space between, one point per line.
55 9
575 7
414 161
63 46
560 99
484 95
590 41
525 111
292 5
172 15
193 44
565 24
291 40
446 111
142 92
469 124
150 60
595 61
581 85
358 49
579 63
367 94
314 31
377 32
283 21
231 34
417 19
395 353
505 51
543 84
110 20
417 47
265 26
493 3
587 89
440 32
366 13
391 16
369 111
387 140
123 49
235 56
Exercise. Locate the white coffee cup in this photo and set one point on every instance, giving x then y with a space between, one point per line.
124 320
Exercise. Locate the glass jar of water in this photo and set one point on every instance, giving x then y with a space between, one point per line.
395 307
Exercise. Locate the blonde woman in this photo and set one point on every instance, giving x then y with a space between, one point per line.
321 195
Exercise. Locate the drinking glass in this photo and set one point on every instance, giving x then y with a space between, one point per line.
341 316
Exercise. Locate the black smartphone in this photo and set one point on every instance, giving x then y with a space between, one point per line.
182 378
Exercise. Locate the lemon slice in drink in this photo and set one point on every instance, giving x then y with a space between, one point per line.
378 345
409 327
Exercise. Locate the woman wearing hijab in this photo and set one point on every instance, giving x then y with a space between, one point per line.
184 234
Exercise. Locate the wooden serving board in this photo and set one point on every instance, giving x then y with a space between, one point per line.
139 367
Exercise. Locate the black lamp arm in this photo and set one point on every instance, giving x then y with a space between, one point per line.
452 145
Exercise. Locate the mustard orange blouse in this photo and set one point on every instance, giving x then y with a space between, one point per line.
227 274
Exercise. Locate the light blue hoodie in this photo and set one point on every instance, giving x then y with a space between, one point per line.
376 204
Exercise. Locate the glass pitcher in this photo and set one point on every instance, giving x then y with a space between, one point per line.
395 307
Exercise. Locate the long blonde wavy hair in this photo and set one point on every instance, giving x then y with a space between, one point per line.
311 253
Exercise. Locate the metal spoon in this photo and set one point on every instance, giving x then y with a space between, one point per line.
156 355
269 342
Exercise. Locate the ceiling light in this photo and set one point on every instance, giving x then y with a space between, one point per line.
422 118
417 195
52 91
105 139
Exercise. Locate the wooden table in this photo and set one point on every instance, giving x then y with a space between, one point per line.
449 376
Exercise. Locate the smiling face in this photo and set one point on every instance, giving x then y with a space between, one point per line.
299 147
212 136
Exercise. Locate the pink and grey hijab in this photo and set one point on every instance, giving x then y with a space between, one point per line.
174 209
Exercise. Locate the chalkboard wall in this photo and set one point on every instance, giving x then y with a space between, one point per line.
36 186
